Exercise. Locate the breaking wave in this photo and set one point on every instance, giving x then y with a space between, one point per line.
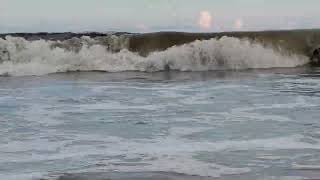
19 57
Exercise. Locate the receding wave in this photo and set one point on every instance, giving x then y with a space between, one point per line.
20 57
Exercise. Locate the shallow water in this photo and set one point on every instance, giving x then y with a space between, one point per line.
248 124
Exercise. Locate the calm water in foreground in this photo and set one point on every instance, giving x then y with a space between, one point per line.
227 125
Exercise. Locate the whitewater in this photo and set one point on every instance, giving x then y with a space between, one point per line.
20 57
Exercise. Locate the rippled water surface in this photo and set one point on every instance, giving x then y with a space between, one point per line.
250 124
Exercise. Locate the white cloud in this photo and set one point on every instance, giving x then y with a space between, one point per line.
238 24
205 20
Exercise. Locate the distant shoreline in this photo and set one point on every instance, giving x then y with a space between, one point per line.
68 34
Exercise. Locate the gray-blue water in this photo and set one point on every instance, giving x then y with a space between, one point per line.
245 125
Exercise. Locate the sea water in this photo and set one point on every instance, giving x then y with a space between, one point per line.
251 124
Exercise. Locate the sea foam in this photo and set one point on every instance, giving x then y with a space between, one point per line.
19 57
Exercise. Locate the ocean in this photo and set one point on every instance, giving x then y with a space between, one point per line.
127 106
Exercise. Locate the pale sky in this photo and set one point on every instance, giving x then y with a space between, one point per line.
157 15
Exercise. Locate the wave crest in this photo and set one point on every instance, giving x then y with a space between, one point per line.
19 57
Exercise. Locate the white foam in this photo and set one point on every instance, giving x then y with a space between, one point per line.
171 154
43 57
305 167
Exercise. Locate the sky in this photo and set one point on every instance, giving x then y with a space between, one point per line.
157 15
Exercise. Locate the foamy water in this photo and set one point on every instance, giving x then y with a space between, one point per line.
253 125
19 57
